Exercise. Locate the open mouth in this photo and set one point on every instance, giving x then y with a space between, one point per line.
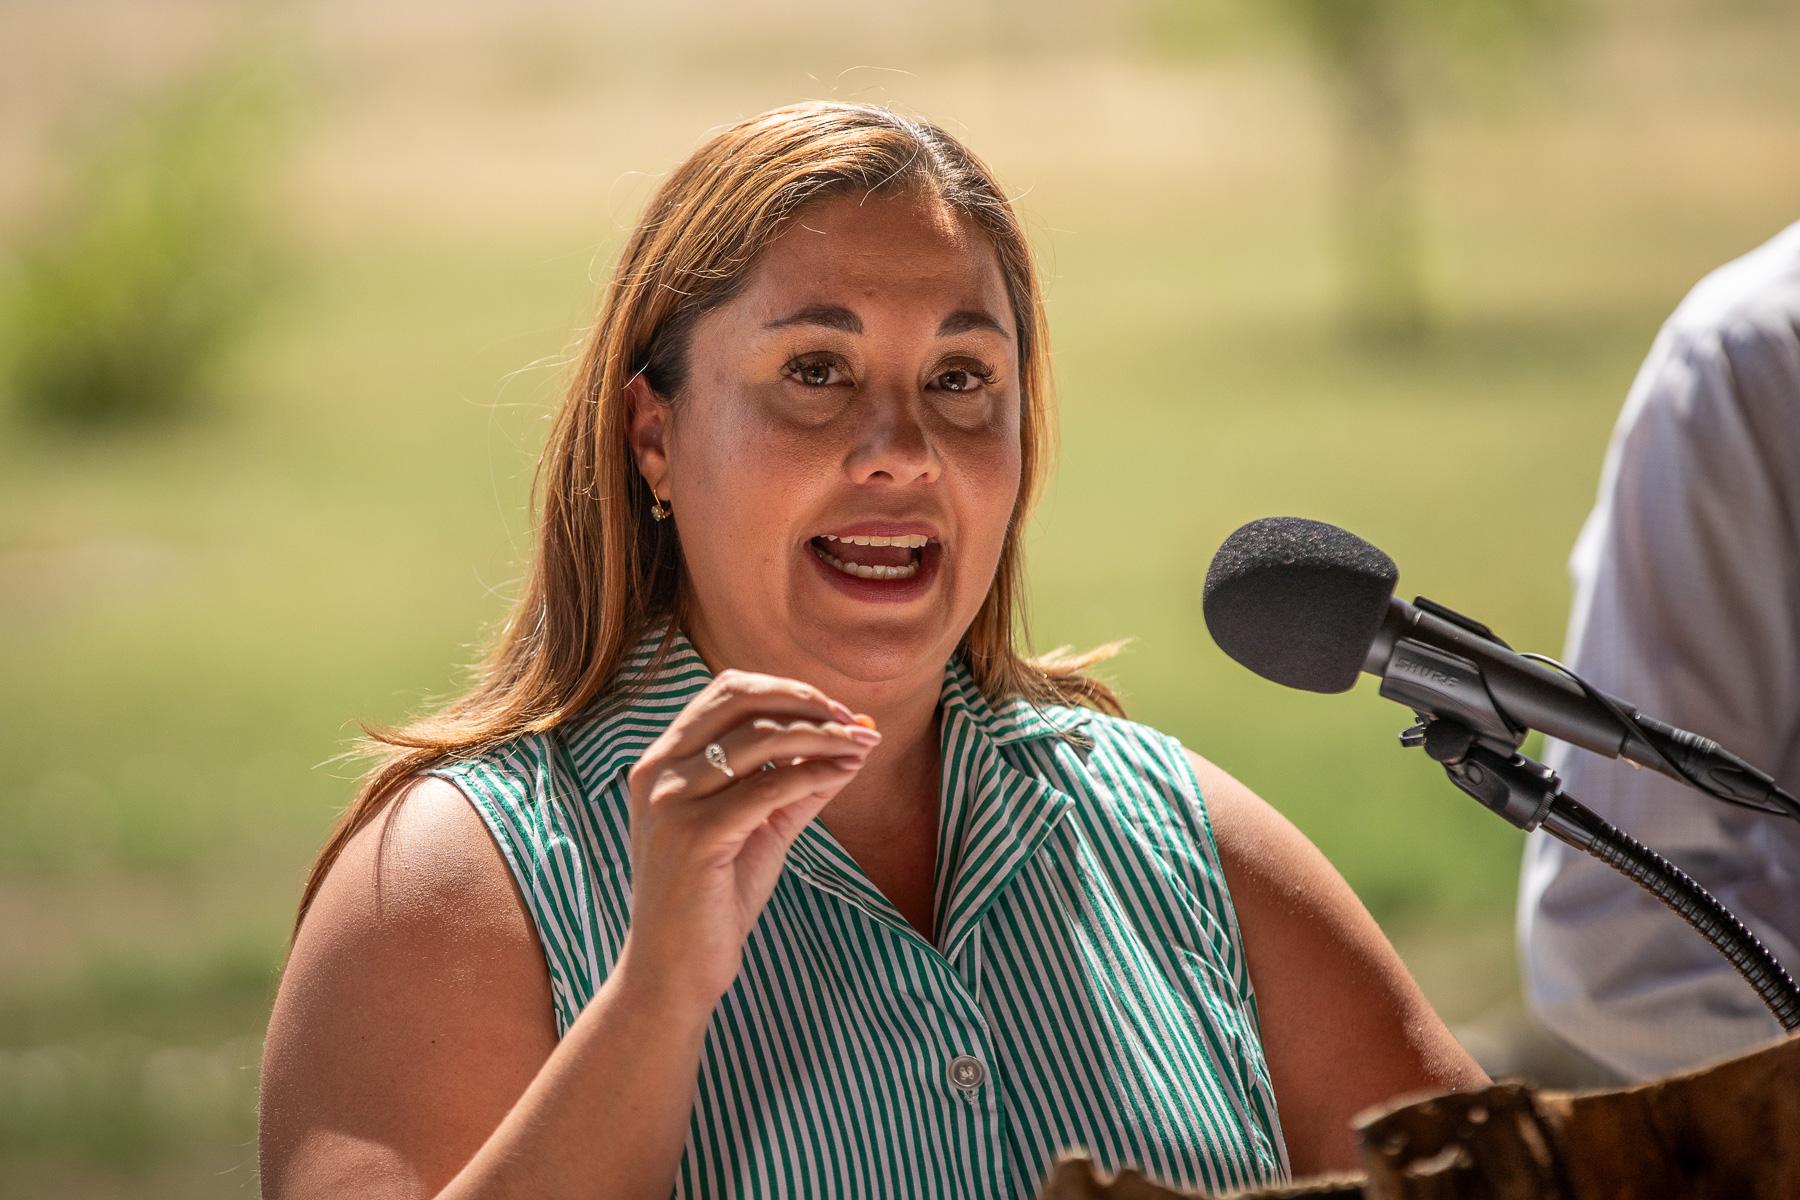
878 558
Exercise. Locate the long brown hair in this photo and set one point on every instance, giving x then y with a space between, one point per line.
603 571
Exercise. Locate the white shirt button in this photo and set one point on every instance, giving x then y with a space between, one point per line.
967 1073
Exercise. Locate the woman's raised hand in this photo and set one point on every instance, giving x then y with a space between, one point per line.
707 848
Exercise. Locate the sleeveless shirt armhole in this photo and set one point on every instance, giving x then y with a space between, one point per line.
1263 1093
505 788
1189 785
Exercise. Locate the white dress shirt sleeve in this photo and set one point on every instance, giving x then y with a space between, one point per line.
1685 605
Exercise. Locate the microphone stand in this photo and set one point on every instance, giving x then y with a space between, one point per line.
1529 795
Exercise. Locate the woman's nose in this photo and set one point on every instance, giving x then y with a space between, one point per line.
893 440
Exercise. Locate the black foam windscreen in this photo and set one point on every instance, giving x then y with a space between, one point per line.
1298 601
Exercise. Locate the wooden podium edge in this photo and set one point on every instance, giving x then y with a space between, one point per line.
1729 1128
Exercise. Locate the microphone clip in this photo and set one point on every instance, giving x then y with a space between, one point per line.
1508 784
1437 684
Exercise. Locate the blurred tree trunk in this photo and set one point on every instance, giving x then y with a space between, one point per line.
1376 209
1376 59
1377 206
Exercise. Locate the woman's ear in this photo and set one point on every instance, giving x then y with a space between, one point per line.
647 427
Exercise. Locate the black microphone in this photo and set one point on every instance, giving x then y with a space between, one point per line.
1311 606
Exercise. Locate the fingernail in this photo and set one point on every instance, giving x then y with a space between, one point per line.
849 764
866 737
842 712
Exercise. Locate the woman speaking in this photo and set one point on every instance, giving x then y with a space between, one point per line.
761 860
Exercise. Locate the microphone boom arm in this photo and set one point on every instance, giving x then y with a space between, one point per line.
1529 795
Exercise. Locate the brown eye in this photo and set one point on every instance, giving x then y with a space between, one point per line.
963 379
813 372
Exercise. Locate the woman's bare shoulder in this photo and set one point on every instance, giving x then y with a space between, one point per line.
427 863
414 1009
422 876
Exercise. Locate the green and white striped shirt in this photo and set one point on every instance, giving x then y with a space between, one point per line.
1084 986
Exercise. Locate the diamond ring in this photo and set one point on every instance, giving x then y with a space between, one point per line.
715 754
768 766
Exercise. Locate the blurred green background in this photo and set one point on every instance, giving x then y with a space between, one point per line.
374 233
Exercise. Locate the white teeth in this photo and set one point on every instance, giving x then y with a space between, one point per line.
864 572
912 540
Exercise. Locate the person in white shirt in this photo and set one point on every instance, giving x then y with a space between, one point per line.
1687 605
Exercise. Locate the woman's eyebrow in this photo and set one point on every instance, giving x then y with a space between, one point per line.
836 316
965 319
831 316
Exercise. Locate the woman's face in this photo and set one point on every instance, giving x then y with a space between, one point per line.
864 383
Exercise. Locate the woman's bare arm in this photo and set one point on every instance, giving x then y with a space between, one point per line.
1344 1025
411 1052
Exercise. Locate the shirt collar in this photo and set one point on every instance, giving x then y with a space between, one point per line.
1013 719
617 728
